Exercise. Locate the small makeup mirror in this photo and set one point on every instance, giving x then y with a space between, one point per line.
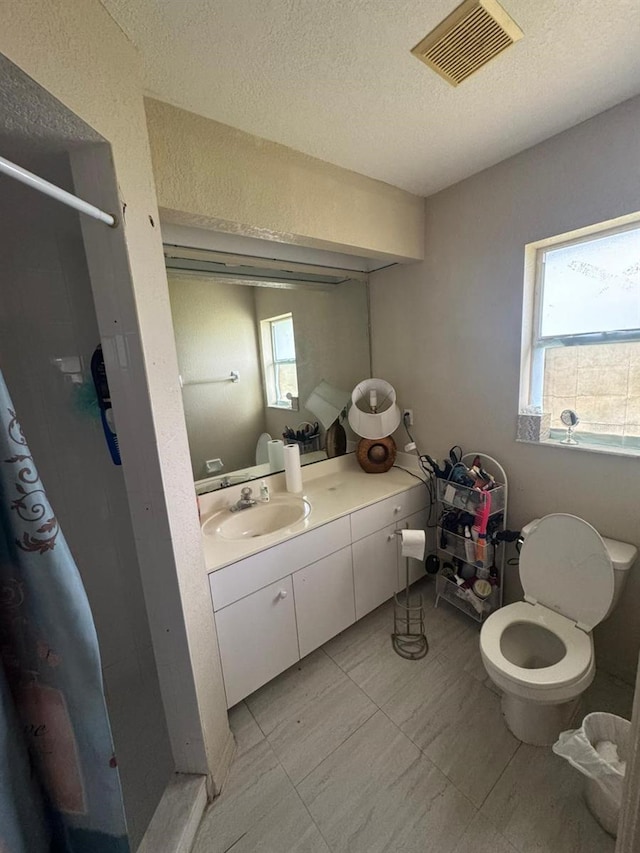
571 420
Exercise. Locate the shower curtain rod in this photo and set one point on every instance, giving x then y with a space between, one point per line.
36 183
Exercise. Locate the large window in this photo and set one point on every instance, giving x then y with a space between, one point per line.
279 361
581 346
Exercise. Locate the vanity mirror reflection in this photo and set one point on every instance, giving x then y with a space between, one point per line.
238 385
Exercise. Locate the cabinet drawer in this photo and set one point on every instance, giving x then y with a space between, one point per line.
257 638
375 570
324 600
417 498
248 575
373 518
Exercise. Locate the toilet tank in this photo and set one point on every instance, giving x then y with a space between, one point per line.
622 555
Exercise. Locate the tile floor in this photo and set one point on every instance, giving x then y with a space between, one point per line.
355 749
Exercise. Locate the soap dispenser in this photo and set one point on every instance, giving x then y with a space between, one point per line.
264 492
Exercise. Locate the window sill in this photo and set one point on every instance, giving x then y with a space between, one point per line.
589 446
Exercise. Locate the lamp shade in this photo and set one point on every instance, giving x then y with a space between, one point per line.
326 403
374 413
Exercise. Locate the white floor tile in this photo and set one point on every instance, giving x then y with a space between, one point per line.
245 729
482 837
457 722
308 711
538 806
256 785
365 652
377 793
287 828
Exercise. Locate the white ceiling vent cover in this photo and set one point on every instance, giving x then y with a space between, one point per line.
467 39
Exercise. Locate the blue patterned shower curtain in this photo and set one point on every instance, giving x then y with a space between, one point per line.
59 784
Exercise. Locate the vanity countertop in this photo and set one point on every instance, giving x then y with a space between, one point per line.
334 488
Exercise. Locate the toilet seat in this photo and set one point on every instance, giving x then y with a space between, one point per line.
576 662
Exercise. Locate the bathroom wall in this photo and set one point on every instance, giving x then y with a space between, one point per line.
216 332
47 313
211 175
446 334
86 62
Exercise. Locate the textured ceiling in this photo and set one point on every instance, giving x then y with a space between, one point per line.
335 79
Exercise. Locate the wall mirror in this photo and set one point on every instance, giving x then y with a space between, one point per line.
236 347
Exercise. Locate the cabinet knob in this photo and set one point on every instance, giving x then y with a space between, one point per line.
282 593
397 509
390 537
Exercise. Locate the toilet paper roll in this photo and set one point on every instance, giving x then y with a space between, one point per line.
292 469
413 543
275 449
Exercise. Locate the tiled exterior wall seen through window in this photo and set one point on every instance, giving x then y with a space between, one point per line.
601 382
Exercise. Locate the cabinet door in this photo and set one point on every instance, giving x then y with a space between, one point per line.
258 639
324 600
418 521
375 569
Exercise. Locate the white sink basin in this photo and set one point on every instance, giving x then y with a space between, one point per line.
259 520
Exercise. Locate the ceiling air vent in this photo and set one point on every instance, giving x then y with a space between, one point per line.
467 39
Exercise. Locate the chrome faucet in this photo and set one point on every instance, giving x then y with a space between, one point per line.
245 501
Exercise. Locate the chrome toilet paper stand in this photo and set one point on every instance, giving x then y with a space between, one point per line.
408 639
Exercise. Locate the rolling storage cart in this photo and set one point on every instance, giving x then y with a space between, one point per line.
472 562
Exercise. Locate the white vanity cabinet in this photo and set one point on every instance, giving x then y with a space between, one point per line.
375 570
324 600
280 604
377 565
258 639
246 576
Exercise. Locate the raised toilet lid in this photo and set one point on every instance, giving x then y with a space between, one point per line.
262 448
565 566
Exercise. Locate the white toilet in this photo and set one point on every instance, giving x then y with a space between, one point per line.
539 651
262 448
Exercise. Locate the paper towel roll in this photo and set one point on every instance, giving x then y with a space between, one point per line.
275 449
292 470
413 544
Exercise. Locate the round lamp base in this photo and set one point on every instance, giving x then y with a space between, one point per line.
376 455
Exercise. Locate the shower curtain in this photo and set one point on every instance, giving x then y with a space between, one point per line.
59 783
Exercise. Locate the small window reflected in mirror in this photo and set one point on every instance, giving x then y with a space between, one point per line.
279 361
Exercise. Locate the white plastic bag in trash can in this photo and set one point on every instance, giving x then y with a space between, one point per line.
605 775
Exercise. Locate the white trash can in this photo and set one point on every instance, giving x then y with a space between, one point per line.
599 750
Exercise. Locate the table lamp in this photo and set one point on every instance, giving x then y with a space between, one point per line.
374 415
